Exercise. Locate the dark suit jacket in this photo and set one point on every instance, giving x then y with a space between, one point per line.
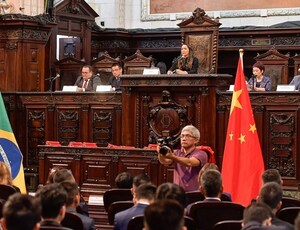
296 82
122 218
115 83
254 225
48 223
92 85
277 222
88 223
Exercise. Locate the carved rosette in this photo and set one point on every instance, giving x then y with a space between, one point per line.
166 116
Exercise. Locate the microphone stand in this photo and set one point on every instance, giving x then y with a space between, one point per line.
51 80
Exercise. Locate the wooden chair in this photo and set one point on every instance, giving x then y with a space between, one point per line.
6 191
288 214
136 223
207 214
72 221
136 63
228 225
114 195
116 207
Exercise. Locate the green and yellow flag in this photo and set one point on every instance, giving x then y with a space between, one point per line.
9 149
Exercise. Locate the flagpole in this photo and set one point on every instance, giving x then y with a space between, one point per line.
241 51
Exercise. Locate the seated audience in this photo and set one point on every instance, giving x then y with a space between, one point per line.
259 82
164 214
73 201
296 82
271 175
145 194
271 194
5 176
53 199
137 181
257 217
21 212
124 180
211 185
171 191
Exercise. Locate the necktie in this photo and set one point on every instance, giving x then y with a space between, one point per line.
85 84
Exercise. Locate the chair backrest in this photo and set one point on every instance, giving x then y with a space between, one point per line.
289 202
228 225
6 191
52 228
189 223
116 207
72 221
136 223
207 214
288 214
114 195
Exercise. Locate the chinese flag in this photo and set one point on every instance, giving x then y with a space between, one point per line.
242 160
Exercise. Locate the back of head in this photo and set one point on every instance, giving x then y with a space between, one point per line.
256 212
124 180
171 191
5 175
140 179
63 175
271 175
270 194
52 197
72 191
164 214
206 167
211 183
21 212
146 191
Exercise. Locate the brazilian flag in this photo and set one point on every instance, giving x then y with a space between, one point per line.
10 153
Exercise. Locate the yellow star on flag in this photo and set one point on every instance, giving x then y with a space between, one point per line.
252 128
235 101
242 138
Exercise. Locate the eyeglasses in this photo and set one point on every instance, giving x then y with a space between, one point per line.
188 136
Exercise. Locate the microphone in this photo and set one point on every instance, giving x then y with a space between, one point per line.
57 76
253 81
52 80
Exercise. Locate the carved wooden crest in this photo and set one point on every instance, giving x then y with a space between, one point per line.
166 116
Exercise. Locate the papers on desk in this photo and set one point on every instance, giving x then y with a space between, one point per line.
285 88
95 200
69 88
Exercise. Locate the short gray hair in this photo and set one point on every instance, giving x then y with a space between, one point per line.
193 130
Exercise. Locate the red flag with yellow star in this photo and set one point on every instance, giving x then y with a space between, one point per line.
242 160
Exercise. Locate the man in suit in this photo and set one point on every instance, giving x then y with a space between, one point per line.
73 200
296 82
211 185
115 79
145 195
271 194
53 200
87 81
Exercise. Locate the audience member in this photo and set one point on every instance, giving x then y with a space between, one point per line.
73 201
186 63
259 82
256 216
53 200
211 185
115 79
164 214
171 191
145 194
137 181
297 222
52 171
124 180
187 161
5 176
271 194
21 212
87 81
271 175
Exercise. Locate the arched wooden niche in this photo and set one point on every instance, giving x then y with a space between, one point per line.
276 66
202 34
136 63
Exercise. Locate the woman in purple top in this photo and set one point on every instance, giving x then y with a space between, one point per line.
187 161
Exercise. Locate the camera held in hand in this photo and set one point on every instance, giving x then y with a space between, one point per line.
165 143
